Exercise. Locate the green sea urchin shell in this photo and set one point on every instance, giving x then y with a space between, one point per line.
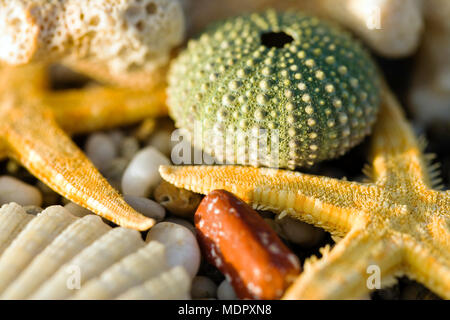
312 88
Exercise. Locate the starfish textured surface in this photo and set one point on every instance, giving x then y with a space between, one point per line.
30 132
397 222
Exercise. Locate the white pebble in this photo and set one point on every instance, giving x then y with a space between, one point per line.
142 175
147 207
14 190
161 140
181 245
225 291
300 232
203 288
182 222
101 150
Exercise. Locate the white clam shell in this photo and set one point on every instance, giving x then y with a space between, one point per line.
56 255
13 219
91 262
34 238
181 245
174 284
70 242
146 263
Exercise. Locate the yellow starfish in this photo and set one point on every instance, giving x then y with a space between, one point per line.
30 132
396 224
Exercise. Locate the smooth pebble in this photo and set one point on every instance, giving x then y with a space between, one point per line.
225 291
142 175
14 190
129 146
181 245
182 222
203 288
147 207
34 210
101 150
161 140
300 232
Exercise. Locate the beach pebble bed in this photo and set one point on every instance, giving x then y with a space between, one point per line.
129 159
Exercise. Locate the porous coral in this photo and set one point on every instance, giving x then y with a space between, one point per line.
114 40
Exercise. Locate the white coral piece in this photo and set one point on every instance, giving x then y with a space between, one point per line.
118 36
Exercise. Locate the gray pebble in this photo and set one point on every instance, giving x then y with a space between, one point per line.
34 210
300 232
14 190
203 288
101 150
225 291
147 207
129 146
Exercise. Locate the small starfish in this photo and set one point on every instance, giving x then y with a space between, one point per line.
397 223
30 132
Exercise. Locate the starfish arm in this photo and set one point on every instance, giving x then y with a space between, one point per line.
78 111
429 264
396 153
325 202
34 139
349 270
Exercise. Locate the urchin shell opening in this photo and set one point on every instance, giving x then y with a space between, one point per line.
275 39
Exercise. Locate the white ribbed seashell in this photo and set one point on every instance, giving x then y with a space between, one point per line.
174 284
69 243
56 255
36 235
90 263
144 264
13 219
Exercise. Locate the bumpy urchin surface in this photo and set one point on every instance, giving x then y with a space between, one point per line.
303 83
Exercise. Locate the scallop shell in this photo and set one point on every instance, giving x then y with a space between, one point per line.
56 255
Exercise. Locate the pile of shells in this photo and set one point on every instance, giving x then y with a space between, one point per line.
56 255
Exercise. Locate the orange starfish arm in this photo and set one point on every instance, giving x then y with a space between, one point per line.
429 264
34 139
396 153
85 110
345 272
316 200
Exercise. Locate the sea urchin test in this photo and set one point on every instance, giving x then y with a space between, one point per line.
302 86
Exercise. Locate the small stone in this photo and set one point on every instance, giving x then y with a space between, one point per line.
225 291
161 140
183 223
129 146
14 190
181 245
34 210
115 170
180 202
101 150
203 288
141 175
147 207
300 232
